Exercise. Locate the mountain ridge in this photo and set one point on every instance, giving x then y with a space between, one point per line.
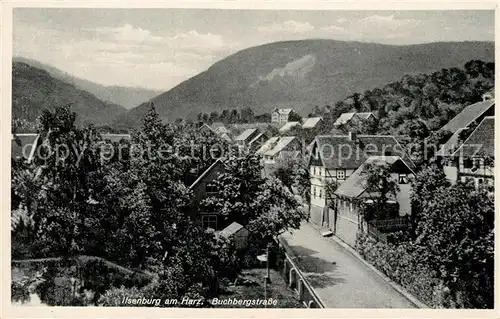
340 68
34 89
125 96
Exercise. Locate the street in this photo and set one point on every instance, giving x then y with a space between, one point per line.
338 277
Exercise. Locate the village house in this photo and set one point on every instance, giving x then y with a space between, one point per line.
354 118
280 116
345 218
476 155
278 147
237 233
333 158
256 142
248 135
202 188
206 128
460 124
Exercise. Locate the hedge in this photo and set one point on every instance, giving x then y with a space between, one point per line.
399 265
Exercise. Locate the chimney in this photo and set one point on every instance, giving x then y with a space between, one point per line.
352 136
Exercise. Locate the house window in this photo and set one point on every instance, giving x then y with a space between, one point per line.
314 192
403 179
314 170
320 193
210 189
209 221
341 174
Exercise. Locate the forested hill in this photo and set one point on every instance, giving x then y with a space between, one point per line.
305 73
430 99
35 89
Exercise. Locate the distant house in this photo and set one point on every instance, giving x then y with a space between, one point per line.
206 128
352 118
476 155
246 136
347 219
333 158
24 146
238 233
288 126
202 188
256 142
267 145
463 121
280 116
219 128
312 123
275 148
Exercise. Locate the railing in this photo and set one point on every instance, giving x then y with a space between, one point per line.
305 291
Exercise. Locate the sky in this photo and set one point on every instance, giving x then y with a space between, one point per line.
160 48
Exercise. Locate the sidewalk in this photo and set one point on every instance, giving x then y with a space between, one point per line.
338 277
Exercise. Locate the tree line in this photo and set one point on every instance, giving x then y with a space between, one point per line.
135 209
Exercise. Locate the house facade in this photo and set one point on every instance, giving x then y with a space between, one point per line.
346 218
334 158
202 188
476 156
280 116
464 121
246 137
277 148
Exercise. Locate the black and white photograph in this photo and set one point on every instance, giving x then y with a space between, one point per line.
239 158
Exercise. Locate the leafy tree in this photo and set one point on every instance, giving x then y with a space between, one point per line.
264 205
455 231
381 187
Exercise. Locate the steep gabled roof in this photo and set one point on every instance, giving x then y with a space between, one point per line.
206 127
339 151
365 115
210 168
231 229
463 119
282 143
343 118
468 115
312 122
283 111
256 139
245 134
355 185
268 145
481 142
